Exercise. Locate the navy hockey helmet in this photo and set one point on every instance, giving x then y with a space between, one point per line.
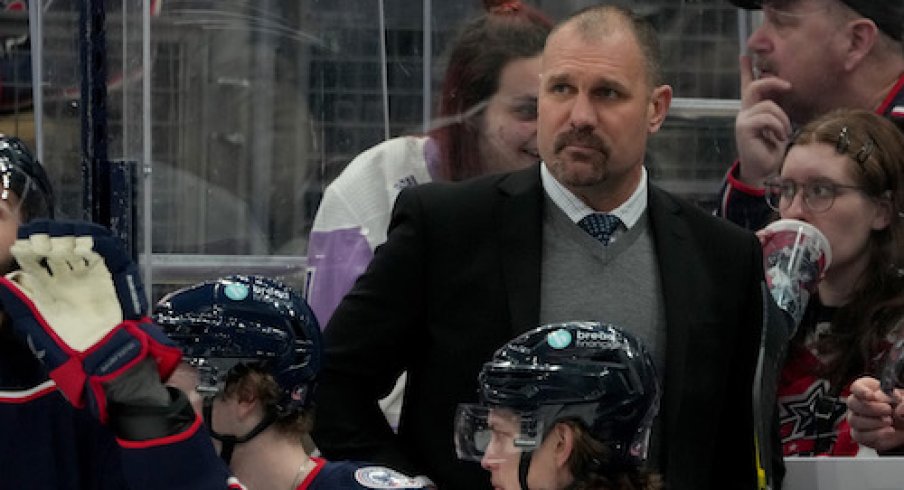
22 174
592 372
240 321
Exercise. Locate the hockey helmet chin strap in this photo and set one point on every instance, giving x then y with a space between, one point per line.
229 441
523 468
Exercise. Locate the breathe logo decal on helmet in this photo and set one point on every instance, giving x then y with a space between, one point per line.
235 291
591 372
559 339
239 321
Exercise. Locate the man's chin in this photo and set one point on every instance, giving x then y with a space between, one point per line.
579 173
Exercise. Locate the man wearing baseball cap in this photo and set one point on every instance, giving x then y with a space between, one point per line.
808 57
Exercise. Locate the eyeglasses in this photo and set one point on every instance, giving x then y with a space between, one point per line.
818 196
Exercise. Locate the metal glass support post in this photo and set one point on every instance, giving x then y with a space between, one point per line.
93 70
427 81
35 34
108 194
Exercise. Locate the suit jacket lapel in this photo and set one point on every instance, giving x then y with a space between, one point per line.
518 223
676 269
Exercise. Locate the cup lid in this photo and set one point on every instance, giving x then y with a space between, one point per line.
798 226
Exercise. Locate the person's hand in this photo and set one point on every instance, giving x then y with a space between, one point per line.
764 235
78 303
762 128
876 420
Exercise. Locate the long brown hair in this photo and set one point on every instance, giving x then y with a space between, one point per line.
590 465
508 31
876 151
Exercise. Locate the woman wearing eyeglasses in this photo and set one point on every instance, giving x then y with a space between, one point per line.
844 174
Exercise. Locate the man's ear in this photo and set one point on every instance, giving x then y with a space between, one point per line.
862 35
660 101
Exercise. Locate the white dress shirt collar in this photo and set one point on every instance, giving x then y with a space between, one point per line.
629 212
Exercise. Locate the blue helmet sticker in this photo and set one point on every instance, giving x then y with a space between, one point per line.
559 339
236 291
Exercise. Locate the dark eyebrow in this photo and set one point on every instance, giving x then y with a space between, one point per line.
606 82
557 78
614 84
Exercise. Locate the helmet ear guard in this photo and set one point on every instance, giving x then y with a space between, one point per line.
230 324
594 373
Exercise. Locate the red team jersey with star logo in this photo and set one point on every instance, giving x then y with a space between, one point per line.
811 412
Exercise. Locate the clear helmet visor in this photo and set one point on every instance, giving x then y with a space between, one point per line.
213 372
483 432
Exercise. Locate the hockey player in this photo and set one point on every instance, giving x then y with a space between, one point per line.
44 443
567 405
253 350
78 304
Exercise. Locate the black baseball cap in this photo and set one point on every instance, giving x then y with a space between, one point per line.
887 14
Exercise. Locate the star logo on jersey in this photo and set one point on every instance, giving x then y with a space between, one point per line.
810 416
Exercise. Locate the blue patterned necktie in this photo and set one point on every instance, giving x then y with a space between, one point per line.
600 226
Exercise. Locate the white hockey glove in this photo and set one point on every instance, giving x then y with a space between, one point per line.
79 304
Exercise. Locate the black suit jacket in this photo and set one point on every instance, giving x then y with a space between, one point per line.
460 275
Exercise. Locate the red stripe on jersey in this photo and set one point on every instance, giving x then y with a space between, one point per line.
891 96
320 463
25 396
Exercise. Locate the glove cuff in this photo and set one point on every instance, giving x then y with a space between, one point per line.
123 348
147 423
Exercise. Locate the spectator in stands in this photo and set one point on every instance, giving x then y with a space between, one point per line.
807 58
844 174
487 123
877 417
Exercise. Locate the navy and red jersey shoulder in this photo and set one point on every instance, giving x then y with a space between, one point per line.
183 461
348 475
893 105
44 443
